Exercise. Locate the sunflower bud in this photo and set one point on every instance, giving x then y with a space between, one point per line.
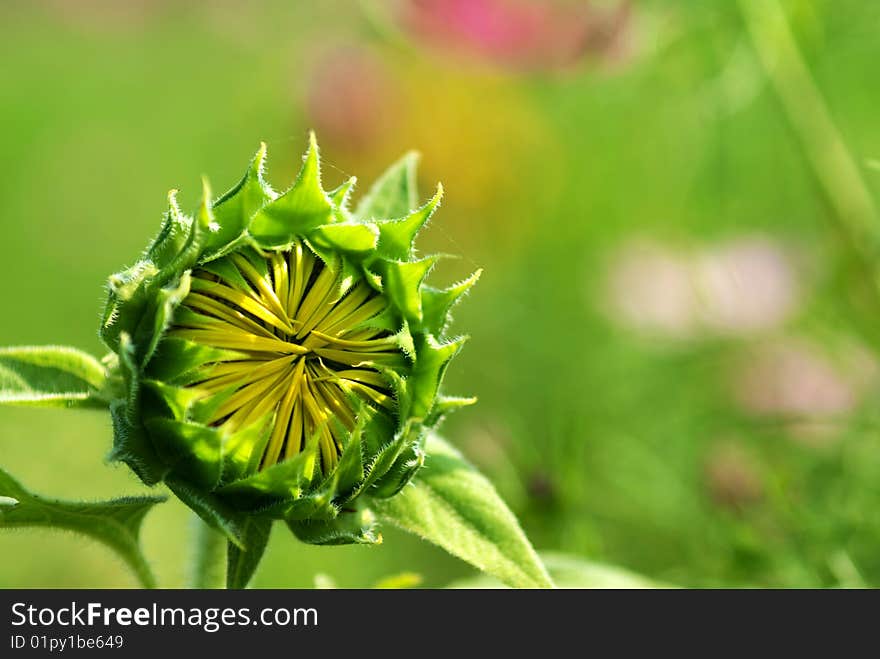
281 356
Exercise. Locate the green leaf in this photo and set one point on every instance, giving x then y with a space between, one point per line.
115 523
51 376
570 571
241 563
394 194
454 506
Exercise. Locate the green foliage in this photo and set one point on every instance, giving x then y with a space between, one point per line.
454 506
51 376
116 523
162 427
572 572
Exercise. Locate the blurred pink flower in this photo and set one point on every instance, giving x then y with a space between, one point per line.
747 284
650 288
794 379
803 386
350 98
521 34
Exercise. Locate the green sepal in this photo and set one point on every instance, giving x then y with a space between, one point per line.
400 386
350 470
285 480
155 320
127 295
243 449
350 527
211 509
199 227
396 237
428 371
401 281
347 238
191 449
172 236
241 563
225 269
437 302
132 446
394 194
297 212
387 456
341 196
158 397
318 505
446 405
234 210
401 472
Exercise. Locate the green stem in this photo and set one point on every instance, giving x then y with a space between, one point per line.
826 150
209 556
839 176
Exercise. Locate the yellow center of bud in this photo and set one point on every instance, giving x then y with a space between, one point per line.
301 351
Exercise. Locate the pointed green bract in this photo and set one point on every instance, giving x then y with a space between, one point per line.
396 237
300 210
245 288
234 210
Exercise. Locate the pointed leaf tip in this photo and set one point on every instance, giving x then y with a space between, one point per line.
341 195
396 237
395 192
432 359
172 200
437 303
300 210
206 215
234 209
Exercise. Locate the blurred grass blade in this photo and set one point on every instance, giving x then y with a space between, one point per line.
243 562
454 506
834 166
51 376
115 523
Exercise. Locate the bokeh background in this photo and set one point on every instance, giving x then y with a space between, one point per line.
674 342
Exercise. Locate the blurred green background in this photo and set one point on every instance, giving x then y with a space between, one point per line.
673 343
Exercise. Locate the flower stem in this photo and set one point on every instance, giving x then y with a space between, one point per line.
208 566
